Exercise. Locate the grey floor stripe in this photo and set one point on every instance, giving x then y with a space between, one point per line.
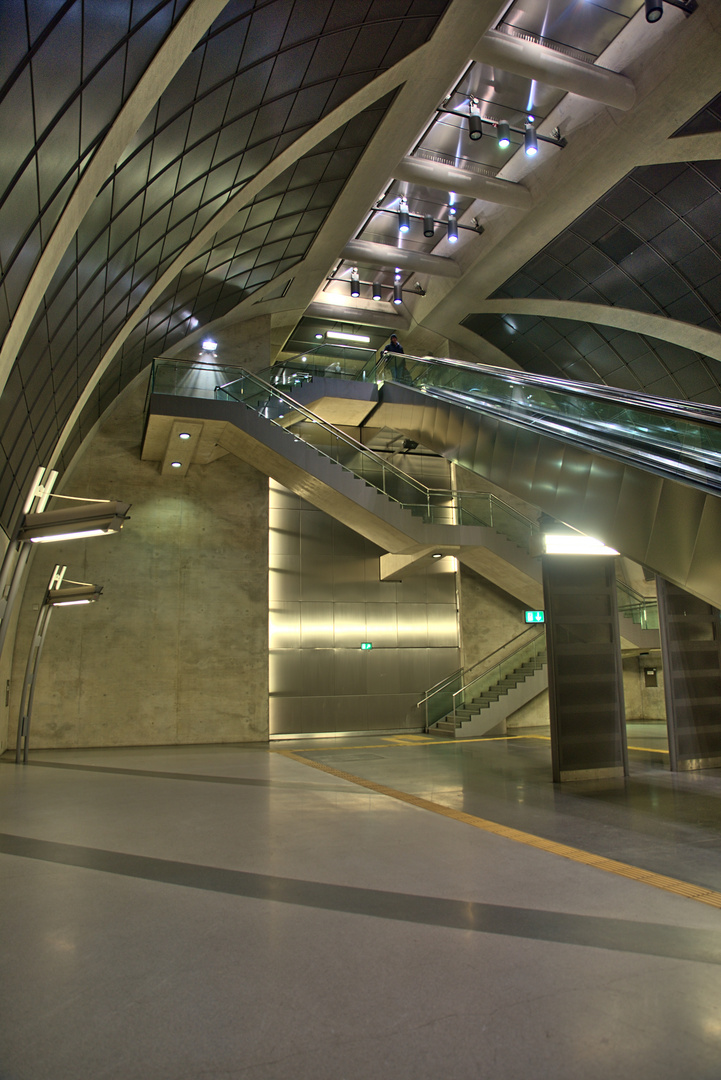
621 935
203 778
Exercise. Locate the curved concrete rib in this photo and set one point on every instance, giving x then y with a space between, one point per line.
386 256
707 342
199 15
534 61
464 182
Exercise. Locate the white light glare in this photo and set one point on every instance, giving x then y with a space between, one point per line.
70 603
338 335
575 544
208 345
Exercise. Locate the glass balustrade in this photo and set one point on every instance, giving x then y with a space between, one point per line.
492 682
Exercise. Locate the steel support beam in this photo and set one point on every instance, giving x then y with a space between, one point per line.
534 61
464 182
385 256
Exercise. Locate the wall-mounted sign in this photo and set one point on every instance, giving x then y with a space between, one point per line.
535 616
366 645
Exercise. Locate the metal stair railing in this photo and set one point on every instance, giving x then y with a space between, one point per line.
529 652
642 610
274 403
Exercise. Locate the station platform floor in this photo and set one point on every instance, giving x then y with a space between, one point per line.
400 906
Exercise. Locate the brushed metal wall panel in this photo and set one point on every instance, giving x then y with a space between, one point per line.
382 625
318 672
350 673
636 511
316 625
283 536
382 671
285 673
603 487
442 662
283 624
348 575
280 498
670 552
349 625
706 569
414 671
442 625
572 480
412 625
284 578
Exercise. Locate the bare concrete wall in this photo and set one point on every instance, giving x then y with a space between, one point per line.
176 651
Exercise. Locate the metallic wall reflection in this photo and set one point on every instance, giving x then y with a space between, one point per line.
325 599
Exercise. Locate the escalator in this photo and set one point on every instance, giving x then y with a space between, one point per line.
642 474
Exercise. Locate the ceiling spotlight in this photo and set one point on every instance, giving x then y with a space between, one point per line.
208 345
437 555
377 293
503 132
176 464
318 337
184 435
397 297
404 220
452 225
354 282
530 142
654 10
475 124
428 225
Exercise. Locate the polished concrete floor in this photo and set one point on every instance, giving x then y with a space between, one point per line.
223 912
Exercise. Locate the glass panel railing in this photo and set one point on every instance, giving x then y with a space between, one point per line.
274 401
438 701
642 610
493 682
680 439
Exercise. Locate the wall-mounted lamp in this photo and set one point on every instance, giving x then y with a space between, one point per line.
76 523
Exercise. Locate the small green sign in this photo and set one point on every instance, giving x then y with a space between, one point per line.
535 616
366 645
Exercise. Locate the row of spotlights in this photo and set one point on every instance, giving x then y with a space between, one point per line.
377 287
503 128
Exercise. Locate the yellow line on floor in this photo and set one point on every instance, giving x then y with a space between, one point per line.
587 858
419 740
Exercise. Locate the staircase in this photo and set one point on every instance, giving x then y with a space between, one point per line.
484 701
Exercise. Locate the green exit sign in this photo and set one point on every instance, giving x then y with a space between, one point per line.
366 645
535 616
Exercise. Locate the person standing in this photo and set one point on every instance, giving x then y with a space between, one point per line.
395 364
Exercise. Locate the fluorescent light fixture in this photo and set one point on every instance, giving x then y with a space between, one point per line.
575 544
184 435
339 335
73 594
208 345
77 522
503 130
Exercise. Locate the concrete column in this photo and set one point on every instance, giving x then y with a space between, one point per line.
585 674
692 677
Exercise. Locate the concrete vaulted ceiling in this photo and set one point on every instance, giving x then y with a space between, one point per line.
178 167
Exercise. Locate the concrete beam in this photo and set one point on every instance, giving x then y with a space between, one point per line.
464 182
534 61
362 316
385 256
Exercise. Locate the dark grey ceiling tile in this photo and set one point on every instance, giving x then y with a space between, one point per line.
644 263
711 293
667 287
702 266
630 346
594 223
706 217
591 264
655 177
647 368
624 198
688 309
651 219
686 192
676 242
604 360
619 243
585 338
665 387
565 284
695 379
566 247
613 284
